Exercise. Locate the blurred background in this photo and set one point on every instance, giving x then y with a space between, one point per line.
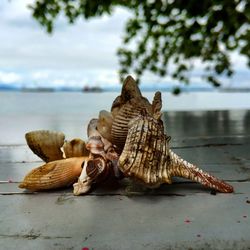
68 57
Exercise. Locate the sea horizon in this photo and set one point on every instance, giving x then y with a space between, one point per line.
97 88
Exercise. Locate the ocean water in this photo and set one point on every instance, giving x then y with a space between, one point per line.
77 102
70 112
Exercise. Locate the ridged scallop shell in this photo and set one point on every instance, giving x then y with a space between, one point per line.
75 148
55 174
146 157
46 144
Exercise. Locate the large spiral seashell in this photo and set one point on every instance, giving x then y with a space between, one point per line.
146 157
128 106
119 128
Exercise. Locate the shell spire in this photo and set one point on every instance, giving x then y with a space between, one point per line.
182 168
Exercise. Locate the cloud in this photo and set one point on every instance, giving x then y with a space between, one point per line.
74 55
9 77
87 44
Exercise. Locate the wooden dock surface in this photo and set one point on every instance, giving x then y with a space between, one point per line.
183 215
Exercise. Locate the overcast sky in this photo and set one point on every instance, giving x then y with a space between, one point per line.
74 55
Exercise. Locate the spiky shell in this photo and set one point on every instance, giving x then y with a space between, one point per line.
55 174
146 151
146 157
46 144
127 106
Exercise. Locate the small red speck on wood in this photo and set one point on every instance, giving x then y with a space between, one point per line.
85 248
187 221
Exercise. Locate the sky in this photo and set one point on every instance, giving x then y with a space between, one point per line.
74 55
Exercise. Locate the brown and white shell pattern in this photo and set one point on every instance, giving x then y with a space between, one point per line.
126 107
55 174
146 157
133 132
46 144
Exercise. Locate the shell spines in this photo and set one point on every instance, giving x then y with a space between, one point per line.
187 170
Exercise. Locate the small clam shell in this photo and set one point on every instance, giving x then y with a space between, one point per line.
46 144
55 174
75 148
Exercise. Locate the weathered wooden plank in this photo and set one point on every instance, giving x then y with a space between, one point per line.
178 216
48 221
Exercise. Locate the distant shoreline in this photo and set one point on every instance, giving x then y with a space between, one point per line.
118 88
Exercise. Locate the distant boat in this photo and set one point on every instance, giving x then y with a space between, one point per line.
94 89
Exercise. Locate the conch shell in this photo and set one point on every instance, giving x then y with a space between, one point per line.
146 157
125 107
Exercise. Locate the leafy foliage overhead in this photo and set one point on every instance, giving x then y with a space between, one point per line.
161 33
